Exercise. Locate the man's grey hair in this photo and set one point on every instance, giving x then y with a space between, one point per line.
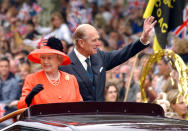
81 32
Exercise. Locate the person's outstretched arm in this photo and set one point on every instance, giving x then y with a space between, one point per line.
117 57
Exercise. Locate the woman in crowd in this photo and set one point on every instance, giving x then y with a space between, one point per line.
59 29
111 93
177 104
49 85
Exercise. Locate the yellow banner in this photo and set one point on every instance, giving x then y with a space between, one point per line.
156 45
149 8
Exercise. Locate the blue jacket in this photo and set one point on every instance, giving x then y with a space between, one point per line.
100 62
9 89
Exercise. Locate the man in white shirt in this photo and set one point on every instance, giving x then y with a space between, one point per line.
86 40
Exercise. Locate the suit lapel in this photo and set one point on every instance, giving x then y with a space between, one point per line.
95 66
79 69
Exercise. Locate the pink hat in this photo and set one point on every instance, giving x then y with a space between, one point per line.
34 56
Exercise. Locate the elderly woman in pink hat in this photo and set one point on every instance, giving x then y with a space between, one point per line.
49 85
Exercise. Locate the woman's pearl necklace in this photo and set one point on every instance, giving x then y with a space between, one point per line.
54 82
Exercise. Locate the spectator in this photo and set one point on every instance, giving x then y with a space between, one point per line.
4 43
111 93
163 102
150 92
32 33
164 71
40 29
177 104
137 74
133 90
113 39
9 85
169 85
59 29
24 70
134 87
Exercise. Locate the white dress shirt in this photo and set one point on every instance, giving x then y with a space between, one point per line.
81 58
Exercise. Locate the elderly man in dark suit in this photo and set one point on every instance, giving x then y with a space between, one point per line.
89 64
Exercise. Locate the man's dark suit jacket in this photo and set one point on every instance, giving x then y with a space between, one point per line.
100 62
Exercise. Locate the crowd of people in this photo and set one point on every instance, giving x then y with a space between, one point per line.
115 24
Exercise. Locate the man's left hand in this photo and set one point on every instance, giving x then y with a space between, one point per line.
149 23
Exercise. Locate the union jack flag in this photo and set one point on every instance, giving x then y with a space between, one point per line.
182 31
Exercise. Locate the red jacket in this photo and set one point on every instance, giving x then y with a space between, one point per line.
66 91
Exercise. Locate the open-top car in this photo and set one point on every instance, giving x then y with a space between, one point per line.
96 116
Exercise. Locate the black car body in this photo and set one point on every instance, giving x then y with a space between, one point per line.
96 116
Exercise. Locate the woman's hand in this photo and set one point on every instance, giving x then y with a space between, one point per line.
34 91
